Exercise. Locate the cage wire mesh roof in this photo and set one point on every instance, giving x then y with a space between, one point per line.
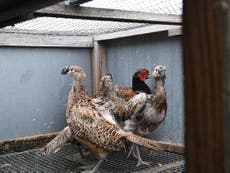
152 6
73 26
68 26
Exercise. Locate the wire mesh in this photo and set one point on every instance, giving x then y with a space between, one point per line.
53 25
68 159
73 26
156 6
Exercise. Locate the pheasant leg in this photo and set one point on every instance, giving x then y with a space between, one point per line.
94 170
138 156
131 150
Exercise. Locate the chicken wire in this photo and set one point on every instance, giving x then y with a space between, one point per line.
152 6
68 159
53 25
73 26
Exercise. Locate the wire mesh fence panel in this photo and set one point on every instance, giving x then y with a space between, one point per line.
68 159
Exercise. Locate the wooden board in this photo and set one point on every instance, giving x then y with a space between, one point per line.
98 56
137 31
70 11
36 40
37 141
203 73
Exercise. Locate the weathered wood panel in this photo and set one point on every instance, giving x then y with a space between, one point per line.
125 56
71 11
135 32
227 85
98 64
35 40
203 70
33 91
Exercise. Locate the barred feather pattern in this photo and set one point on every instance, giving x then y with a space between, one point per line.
90 126
77 90
93 130
144 142
123 110
55 144
125 93
126 110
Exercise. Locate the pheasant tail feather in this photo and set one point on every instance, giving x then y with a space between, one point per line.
144 142
54 145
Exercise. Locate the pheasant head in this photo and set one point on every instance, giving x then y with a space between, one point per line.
159 73
106 84
75 72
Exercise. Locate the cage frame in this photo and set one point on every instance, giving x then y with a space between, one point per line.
198 121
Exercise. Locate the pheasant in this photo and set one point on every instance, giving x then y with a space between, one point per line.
138 85
153 113
66 134
125 110
91 129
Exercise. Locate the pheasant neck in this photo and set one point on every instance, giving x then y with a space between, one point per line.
77 91
158 84
159 98
79 88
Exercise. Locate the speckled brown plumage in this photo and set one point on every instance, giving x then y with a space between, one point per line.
88 124
66 134
123 110
126 110
55 144
91 129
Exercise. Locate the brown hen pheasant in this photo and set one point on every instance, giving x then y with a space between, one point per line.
66 134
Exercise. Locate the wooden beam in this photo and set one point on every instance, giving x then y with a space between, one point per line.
203 74
175 31
16 12
69 11
135 32
227 86
98 64
26 143
32 40
78 2
167 146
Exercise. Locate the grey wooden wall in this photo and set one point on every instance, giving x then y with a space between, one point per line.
33 92
124 56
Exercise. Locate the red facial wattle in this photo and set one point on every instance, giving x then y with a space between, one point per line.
142 77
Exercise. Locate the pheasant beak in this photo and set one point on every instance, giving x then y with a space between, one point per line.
65 70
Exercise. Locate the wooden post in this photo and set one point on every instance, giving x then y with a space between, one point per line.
227 88
203 72
98 63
